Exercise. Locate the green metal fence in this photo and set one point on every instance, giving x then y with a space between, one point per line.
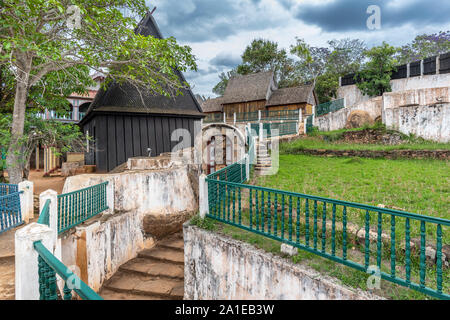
247 116
320 226
275 129
6 188
309 124
213 118
10 211
331 106
49 266
79 206
268 115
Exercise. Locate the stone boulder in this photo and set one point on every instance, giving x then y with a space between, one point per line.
161 226
359 118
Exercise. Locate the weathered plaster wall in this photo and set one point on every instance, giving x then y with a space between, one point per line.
353 95
100 246
337 120
217 267
429 122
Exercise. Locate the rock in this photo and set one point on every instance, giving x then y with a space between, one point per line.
289 250
160 226
358 118
430 253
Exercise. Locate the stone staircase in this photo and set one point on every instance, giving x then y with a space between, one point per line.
156 274
263 159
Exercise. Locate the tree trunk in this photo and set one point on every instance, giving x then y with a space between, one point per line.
14 159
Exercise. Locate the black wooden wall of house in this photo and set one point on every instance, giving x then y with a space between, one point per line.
116 137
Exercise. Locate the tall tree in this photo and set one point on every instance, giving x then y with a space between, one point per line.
219 89
346 56
264 55
38 37
425 46
376 74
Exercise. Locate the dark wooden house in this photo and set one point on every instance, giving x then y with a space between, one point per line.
125 123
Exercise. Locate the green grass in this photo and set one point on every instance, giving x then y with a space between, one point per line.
417 186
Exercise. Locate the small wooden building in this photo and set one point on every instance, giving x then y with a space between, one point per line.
259 91
248 93
125 123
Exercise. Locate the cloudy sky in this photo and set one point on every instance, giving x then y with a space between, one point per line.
219 30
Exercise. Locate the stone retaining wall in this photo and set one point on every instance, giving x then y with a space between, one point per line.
391 154
217 267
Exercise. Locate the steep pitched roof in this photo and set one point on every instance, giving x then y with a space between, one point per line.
301 94
127 98
213 105
250 87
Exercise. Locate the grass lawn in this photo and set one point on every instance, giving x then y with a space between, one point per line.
417 186
318 143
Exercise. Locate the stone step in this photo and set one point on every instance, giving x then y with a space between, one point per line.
148 286
120 296
174 243
154 268
163 255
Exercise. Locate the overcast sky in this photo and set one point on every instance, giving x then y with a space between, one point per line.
219 30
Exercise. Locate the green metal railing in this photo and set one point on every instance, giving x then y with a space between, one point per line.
79 206
309 124
44 217
268 115
213 118
49 266
10 211
320 226
247 116
331 106
275 129
6 189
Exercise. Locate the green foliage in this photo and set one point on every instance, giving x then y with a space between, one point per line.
207 223
219 89
65 137
376 74
326 87
425 46
264 55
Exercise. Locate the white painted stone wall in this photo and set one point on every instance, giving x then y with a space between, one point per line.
220 268
354 96
337 120
429 122
100 246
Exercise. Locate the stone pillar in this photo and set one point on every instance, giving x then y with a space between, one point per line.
110 196
247 166
340 81
408 70
314 115
26 200
234 117
421 68
438 64
224 117
26 259
261 135
259 115
203 196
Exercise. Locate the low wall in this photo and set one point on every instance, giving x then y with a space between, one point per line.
100 246
354 96
391 154
429 122
220 268
338 120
